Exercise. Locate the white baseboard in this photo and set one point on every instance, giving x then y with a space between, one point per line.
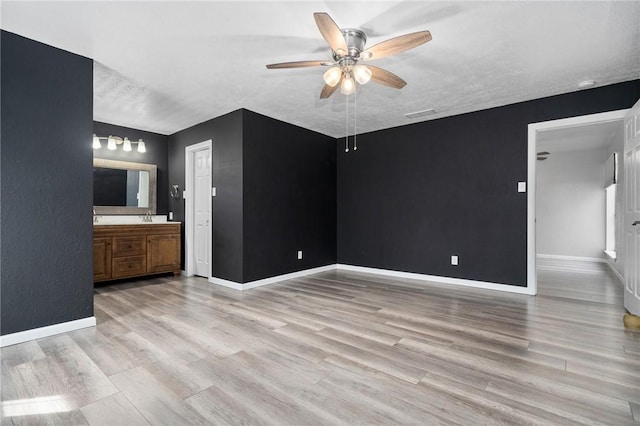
576 258
49 330
615 272
438 279
253 284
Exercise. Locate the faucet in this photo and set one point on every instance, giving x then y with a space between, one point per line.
147 217
95 217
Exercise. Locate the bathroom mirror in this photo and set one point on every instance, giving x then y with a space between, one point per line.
123 187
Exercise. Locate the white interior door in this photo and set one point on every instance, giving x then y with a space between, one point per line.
198 250
202 211
632 210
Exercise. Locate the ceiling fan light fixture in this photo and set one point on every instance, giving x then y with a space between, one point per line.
348 86
332 76
362 74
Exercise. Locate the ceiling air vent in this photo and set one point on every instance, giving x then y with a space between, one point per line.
418 114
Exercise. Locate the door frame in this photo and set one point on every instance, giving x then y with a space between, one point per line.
189 179
533 130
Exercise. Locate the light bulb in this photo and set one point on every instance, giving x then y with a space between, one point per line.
362 74
348 86
127 145
96 142
141 147
111 143
332 76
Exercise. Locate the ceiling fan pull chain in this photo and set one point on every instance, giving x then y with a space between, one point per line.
355 121
346 137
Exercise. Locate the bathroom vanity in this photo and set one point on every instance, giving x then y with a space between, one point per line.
129 239
134 250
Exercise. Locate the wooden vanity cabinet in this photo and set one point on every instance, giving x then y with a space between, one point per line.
124 251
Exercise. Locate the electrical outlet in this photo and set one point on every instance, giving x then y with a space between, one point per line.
299 254
522 186
454 260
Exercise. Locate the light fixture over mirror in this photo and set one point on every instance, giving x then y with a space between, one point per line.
114 141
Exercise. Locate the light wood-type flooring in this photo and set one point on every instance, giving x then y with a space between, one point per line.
336 348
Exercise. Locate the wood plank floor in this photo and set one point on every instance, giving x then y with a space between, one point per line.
335 348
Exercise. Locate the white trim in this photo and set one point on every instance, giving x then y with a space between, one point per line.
387 272
576 258
615 272
611 254
438 279
252 284
49 330
189 261
533 130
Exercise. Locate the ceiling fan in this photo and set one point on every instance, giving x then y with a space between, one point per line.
348 49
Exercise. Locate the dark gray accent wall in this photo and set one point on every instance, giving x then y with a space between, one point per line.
275 186
412 196
289 181
226 134
46 266
157 153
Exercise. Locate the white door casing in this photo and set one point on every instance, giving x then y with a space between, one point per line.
533 130
632 210
198 211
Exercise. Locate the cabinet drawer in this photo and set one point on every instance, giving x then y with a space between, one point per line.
129 246
128 266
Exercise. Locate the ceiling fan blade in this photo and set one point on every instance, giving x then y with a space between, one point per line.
543 153
328 90
331 32
296 64
396 45
386 78
541 158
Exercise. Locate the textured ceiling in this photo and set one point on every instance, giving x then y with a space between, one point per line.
165 66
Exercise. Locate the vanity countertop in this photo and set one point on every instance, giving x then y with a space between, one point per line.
100 220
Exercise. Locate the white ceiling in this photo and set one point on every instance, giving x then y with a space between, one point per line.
578 138
165 66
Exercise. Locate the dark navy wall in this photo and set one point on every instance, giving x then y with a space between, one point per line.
289 183
226 134
47 194
412 196
156 145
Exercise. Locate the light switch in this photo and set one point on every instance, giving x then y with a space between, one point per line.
213 191
184 194
522 186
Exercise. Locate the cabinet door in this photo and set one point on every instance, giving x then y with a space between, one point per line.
101 259
163 253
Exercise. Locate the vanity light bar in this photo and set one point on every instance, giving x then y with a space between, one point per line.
113 141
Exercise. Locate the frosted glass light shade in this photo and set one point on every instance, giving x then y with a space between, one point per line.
126 145
362 74
96 142
348 86
141 147
111 143
332 76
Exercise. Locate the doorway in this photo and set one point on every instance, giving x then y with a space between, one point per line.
198 210
536 134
